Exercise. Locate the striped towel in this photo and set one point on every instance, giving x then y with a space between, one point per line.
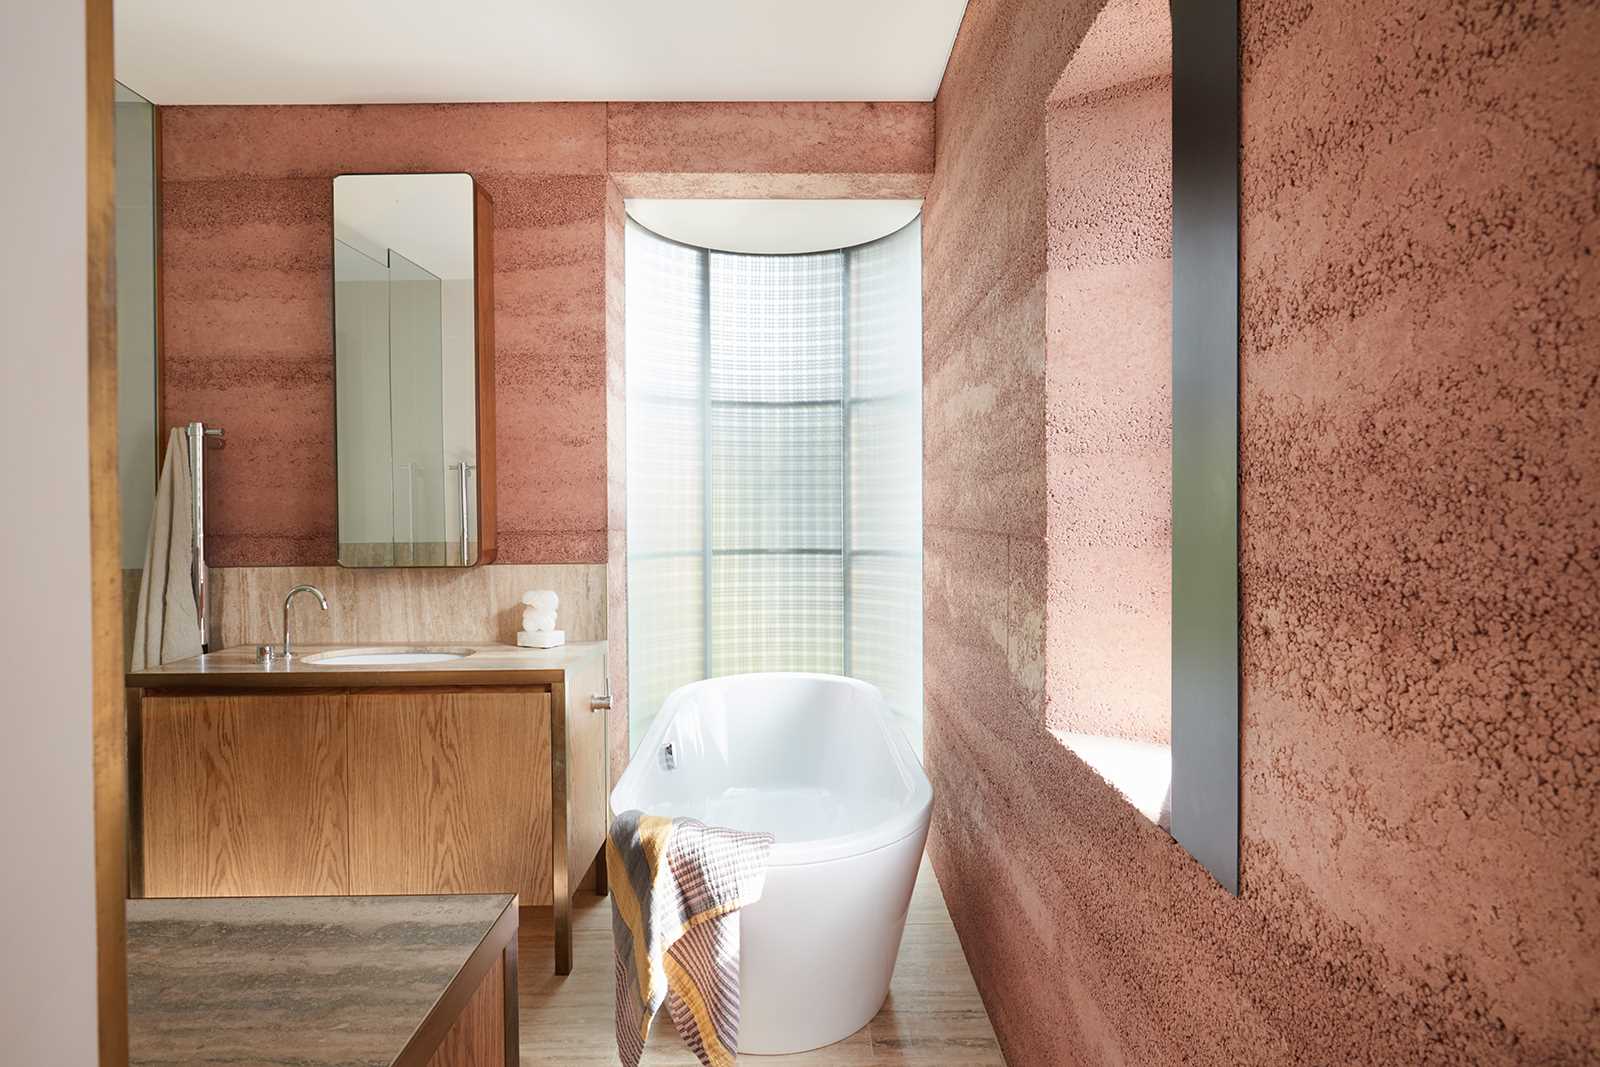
676 889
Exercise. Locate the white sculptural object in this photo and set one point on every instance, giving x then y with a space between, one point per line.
539 620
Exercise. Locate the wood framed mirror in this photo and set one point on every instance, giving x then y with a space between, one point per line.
414 369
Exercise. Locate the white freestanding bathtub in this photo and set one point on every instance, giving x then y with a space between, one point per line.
817 761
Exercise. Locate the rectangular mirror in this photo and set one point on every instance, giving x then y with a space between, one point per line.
413 370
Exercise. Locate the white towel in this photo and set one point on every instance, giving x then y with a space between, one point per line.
167 626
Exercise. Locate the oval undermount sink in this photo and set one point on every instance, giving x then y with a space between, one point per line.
385 657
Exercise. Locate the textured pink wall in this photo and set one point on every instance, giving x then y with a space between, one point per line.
858 150
247 230
247 302
1419 554
1108 395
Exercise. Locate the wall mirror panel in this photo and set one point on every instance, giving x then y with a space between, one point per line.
414 372
139 444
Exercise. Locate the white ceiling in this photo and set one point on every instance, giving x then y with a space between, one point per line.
421 51
773 226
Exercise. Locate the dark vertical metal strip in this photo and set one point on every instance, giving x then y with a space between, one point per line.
1205 434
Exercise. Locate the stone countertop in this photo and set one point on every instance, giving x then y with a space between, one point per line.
236 668
309 981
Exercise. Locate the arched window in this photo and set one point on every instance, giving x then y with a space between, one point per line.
774 465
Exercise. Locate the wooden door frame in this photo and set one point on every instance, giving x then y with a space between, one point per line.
105 549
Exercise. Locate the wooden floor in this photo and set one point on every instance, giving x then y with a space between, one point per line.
933 1015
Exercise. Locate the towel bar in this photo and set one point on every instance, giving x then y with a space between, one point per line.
196 434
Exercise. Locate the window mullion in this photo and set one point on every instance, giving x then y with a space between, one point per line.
705 459
844 451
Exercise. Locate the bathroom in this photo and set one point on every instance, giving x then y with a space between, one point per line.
1096 500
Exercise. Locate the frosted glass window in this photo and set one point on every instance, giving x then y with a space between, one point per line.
665 336
774 466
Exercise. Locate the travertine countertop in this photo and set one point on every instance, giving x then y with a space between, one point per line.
310 981
235 668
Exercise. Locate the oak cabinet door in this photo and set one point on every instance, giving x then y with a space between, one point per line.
245 795
450 792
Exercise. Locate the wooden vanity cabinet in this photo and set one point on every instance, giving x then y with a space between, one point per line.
370 789
400 791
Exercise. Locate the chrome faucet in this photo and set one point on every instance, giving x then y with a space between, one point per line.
288 647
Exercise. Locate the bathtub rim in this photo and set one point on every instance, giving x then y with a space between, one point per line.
908 819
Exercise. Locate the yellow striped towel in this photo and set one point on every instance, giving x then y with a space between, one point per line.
676 889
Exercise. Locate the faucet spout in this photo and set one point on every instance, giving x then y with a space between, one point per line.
288 647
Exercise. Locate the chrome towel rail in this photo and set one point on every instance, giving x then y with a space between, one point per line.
196 434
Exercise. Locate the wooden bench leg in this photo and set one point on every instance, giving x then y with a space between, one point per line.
563 917
513 1039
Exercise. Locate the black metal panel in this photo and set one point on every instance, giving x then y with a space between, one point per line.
1205 434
